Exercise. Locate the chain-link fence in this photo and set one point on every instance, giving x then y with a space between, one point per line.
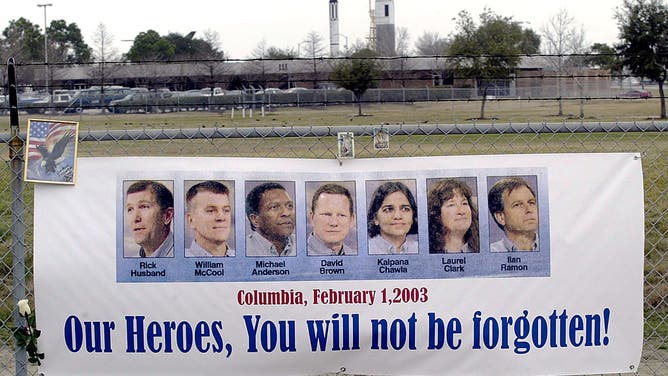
648 138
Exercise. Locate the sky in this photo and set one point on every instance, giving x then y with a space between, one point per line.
241 25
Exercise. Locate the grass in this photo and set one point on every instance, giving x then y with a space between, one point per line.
459 112
652 145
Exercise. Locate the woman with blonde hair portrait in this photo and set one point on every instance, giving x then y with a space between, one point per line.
453 218
392 220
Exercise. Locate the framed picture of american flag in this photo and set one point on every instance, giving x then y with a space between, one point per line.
51 151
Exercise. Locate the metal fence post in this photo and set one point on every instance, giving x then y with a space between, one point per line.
18 211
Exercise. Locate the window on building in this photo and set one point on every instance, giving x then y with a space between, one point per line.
282 66
387 10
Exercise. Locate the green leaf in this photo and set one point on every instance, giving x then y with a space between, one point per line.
31 320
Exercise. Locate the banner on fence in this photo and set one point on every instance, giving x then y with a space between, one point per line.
517 264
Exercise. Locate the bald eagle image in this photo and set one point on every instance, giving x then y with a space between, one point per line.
51 158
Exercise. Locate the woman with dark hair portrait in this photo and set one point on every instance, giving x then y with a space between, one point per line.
392 223
453 218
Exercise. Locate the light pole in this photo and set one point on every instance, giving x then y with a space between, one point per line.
46 53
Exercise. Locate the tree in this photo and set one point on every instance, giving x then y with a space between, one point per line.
149 45
25 43
530 42
431 44
66 43
314 50
313 45
488 53
208 49
103 53
262 53
403 51
357 74
604 56
103 40
204 53
357 45
280 53
563 38
212 38
259 67
23 40
403 42
190 48
236 83
643 34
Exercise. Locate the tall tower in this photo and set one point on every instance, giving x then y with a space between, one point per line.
372 27
385 34
333 28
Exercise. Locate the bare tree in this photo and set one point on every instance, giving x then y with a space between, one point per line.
431 43
103 49
259 66
357 45
260 50
104 53
212 60
562 38
403 41
403 50
213 39
314 49
313 45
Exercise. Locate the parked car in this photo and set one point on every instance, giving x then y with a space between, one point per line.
636 94
269 90
234 92
98 97
58 101
140 101
26 102
296 89
207 91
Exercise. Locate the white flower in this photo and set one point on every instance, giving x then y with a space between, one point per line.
24 307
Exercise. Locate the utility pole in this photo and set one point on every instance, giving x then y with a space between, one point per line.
46 55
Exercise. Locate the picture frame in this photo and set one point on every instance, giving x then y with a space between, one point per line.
51 151
381 138
346 143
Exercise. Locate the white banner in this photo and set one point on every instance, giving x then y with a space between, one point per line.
511 265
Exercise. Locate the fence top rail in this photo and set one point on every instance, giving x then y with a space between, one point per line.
362 130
